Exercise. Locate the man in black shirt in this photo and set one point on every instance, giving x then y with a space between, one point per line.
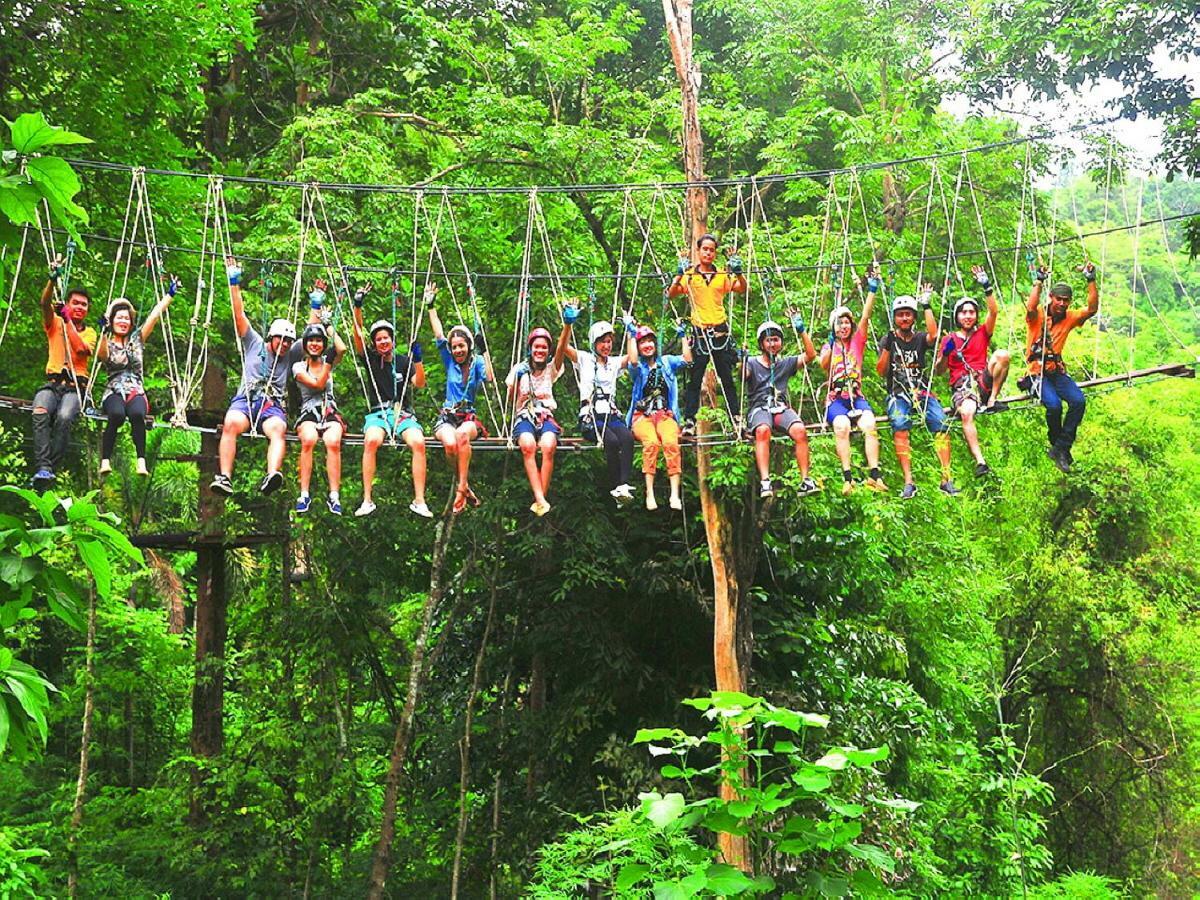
902 362
391 376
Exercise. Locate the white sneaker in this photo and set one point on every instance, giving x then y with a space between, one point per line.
765 488
651 502
676 503
420 509
141 467
366 509
105 467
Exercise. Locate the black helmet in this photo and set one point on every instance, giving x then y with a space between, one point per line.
314 331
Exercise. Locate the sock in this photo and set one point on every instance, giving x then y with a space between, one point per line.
335 496
875 473
846 475
304 495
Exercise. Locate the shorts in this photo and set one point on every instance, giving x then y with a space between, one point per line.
900 409
536 426
779 423
259 412
970 388
840 406
386 419
456 417
322 420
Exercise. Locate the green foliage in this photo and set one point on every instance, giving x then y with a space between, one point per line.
20 876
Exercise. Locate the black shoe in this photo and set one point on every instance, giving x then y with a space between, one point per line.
995 407
1060 460
982 470
271 483
222 485
689 428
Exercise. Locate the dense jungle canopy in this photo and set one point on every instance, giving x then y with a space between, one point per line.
988 695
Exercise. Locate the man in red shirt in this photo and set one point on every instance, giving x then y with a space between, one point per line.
973 373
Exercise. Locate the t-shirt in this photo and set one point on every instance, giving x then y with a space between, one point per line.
598 383
655 385
56 336
313 398
535 390
390 380
262 371
906 370
845 367
707 292
767 384
1059 330
963 353
462 382
123 365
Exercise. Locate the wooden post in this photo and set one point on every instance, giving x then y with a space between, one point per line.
208 686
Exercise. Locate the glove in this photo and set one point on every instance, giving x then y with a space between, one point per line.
415 352
102 325
742 354
234 271
798 323
735 265
832 337
982 278
1089 272
360 297
480 343
520 371
316 298
172 286
1041 274
430 297
680 329
56 269
922 301
570 313
874 283
326 317
629 323
684 262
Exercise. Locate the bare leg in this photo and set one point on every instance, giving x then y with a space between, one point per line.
998 369
528 447
276 431
799 436
841 440
548 443
651 500
762 451
970 432
333 457
941 443
415 439
871 438
235 424
903 453
371 443
308 440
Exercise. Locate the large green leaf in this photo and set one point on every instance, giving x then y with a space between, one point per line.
5 725
93 556
662 811
31 132
630 875
19 202
725 879
57 181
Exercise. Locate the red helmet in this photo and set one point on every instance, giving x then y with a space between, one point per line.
643 332
539 333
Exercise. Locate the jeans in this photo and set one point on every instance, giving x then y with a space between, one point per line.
1056 389
618 446
52 428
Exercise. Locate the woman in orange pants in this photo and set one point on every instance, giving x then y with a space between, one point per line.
654 406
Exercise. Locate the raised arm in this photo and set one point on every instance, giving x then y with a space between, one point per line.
159 308
873 285
356 330
241 324
339 346
47 301
631 353
885 355
826 354
677 288
989 297
737 278
564 349
1035 293
435 321
1093 292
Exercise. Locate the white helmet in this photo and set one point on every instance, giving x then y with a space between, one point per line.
597 331
837 313
282 328
963 301
380 325
767 328
904 301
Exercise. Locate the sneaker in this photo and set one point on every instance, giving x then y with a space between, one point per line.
689 428
847 488
651 502
807 486
421 509
765 488
982 470
1067 455
996 406
539 509
335 506
947 487
222 485
909 491
676 503
105 467
626 495
141 467
877 485
271 482
303 504
365 509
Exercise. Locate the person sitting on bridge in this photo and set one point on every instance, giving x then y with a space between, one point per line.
531 392
654 404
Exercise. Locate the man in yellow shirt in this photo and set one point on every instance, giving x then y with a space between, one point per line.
1048 329
58 402
706 288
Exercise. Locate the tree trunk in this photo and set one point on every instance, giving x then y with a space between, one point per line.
208 686
382 860
85 741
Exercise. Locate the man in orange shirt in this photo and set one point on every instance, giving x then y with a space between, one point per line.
706 288
1047 335
58 402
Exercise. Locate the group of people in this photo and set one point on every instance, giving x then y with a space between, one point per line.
654 416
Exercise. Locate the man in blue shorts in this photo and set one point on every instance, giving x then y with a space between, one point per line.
901 361
389 389
260 401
